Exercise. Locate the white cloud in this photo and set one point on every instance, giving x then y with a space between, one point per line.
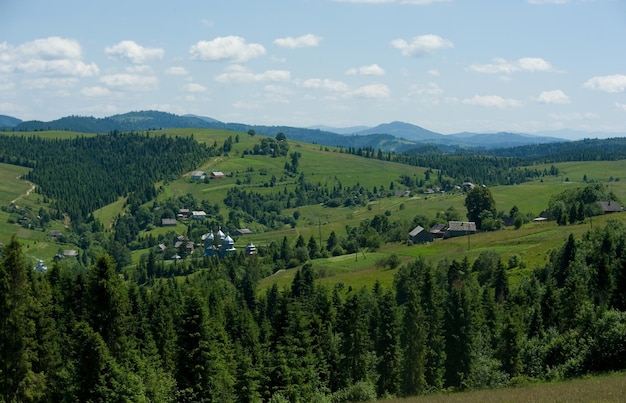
134 53
95 92
47 83
304 41
324 83
64 67
50 56
195 88
421 45
51 48
176 71
371 70
130 81
434 72
620 106
492 101
503 66
372 91
229 48
241 76
613 83
553 97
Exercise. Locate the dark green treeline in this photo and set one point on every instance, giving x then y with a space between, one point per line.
72 335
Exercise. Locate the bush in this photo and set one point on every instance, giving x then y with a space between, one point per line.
359 392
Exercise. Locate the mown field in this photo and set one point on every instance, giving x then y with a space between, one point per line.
605 388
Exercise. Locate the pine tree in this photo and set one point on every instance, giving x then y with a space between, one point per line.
387 346
413 346
16 328
459 322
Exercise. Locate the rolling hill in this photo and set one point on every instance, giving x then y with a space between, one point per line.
399 136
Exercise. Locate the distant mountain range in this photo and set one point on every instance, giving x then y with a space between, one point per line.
394 136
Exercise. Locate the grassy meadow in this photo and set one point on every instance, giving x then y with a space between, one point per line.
604 388
328 166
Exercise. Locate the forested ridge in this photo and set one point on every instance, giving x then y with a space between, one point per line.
83 174
75 334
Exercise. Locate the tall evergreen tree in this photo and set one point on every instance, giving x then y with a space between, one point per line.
17 329
387 346
413 346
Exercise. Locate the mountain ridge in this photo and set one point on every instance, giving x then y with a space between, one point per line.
393 136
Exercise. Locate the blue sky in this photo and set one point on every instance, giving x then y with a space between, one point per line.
448 66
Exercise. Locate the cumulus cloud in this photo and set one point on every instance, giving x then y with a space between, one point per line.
65 67
95 92
492 101
134 53
227 48
130 81
503 66
51 48
553 97
304 41
371 91
176 71
621 107
195 88
421 45
371 70
52 56
242 76
324 83
612 84
54 83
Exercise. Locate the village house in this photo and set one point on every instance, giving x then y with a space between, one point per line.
198 215
460 228
438 230
198 175
610 207
420 235
243 231
168 222
217 175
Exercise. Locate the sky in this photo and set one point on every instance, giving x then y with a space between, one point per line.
446 65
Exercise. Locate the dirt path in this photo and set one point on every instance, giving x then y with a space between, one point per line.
32 187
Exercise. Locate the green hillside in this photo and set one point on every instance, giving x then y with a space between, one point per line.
336 305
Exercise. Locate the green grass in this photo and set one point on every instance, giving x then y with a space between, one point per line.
329 167
50 134
604 388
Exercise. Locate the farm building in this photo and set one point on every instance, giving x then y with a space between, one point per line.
217 175
198 175
168 222
420 235
198 215
610 207
438 230
460 228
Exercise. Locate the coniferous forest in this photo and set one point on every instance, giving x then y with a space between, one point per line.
103 328
74 334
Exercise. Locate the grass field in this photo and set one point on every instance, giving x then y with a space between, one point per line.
604 388
329 167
